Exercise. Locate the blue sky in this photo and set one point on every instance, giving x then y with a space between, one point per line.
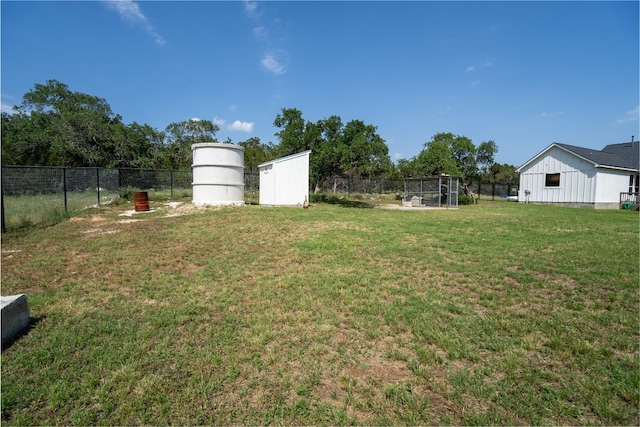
523 74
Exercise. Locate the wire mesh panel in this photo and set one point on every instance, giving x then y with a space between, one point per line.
22 180
454 191
31 195
493 191
81 186
141 179
158 182
40 194
182 183
108 185
439 191
361 185
388 186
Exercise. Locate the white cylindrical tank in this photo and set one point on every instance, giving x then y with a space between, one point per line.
218 174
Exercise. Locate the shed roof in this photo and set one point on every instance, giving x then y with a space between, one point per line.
283 159
618 156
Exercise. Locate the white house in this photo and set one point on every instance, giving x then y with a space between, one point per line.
285 181
583 177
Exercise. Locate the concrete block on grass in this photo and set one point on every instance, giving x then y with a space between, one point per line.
15 316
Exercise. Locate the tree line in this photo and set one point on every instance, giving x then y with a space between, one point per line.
55 126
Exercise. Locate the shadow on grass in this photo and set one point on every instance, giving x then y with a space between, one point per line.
33 321
346 203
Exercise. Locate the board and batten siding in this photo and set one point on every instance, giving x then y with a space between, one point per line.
577 179
610 183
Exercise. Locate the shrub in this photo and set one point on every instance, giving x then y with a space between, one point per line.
127 192
318 198
464 199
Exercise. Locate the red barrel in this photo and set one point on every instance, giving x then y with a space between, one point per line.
141 201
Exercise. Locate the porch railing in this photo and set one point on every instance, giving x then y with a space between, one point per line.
629 200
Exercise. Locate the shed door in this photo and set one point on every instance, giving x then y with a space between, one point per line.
267 186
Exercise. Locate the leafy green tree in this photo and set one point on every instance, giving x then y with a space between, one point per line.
437 157
364 152
406 168
24 140
352 150
66 128
463 151
57 126
137 146
450 154
503 174
326 159
291 135
256 153
447 153
485 155
181 135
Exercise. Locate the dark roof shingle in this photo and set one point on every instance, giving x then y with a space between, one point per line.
625 155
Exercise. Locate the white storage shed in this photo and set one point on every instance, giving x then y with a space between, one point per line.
285 181
582 177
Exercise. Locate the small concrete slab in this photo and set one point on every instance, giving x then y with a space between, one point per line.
15 316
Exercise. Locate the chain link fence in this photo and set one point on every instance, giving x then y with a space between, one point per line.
494 191
37 195
43 194
354 186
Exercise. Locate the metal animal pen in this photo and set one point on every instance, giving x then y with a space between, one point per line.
436 191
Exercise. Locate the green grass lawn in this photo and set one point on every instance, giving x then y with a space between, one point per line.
499 313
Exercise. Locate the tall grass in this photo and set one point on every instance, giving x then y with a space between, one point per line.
26 211
498 313
46 209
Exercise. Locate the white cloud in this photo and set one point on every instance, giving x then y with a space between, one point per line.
272 64
398 156
251 8
130 11
547 115
274 60
472 68
219 122
6 108
630 116
6 103
195 119
260 33
241 126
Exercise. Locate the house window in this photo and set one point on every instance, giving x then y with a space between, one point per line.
634 183
552 180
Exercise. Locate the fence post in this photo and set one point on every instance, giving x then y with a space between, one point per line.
98 184
64 187
4 229
171 184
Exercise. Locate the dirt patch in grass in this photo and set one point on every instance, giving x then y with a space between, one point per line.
179 209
